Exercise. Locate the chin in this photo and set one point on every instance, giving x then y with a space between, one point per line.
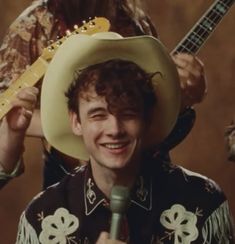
118 164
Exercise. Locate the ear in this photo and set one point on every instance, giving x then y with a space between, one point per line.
75 124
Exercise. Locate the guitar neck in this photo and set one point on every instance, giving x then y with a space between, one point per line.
196 37
36 71
29 78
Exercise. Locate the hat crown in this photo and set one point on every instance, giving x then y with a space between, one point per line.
80 51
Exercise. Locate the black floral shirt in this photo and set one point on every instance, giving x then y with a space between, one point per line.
169 204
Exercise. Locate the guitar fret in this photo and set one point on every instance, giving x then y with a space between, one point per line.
28 78
192 43
214 16
185 48
202 29
219 10
227 4
222 6
208 23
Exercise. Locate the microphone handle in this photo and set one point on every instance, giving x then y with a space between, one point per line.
115 226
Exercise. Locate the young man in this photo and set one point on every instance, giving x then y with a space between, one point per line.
123 98
12 133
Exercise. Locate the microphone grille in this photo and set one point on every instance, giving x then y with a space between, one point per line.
120 199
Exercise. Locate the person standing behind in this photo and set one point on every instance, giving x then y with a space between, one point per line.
45 20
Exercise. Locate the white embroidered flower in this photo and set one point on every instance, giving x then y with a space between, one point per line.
181 222
56 228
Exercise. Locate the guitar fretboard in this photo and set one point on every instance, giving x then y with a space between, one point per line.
196 37
36 71
27 79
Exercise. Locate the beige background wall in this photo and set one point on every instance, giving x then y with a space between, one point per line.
203 150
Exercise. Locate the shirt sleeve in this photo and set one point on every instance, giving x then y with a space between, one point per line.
26 233
218 227
18 170
15 54
23 43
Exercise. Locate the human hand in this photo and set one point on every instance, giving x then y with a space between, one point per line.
192 79
18 118
13 128
104 239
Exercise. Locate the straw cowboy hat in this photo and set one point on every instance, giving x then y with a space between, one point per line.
80 51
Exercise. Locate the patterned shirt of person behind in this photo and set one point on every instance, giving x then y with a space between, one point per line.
34 30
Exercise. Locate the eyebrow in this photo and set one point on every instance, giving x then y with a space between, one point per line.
95 110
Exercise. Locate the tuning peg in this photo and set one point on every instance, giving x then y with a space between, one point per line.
68 32
75 27
84 29
91 23
84 22
50 42
59 42
51 48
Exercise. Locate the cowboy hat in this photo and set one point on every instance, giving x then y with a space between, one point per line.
80 51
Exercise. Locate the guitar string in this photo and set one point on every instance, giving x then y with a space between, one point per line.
212 16
201 30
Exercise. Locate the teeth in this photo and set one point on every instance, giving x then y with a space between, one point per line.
114 146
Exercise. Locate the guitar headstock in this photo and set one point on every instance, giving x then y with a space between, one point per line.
98 24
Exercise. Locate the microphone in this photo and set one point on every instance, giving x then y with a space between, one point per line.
119 202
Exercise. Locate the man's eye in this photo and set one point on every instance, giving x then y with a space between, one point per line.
98 116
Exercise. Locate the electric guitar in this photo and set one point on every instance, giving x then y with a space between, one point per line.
191 43
36 71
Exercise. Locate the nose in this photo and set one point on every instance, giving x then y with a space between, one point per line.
114 127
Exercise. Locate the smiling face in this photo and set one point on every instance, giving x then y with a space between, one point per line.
112 140
110 104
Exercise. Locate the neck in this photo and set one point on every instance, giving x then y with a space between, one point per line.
106 178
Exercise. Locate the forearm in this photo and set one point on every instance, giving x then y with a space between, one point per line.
11 147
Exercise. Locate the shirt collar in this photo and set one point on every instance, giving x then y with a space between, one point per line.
141 194
92 194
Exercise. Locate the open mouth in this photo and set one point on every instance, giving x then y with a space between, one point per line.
115 146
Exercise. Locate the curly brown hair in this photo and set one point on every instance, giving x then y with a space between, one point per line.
123 84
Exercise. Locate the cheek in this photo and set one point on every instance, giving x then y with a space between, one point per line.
91 131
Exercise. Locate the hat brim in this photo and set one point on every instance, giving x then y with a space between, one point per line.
80 51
